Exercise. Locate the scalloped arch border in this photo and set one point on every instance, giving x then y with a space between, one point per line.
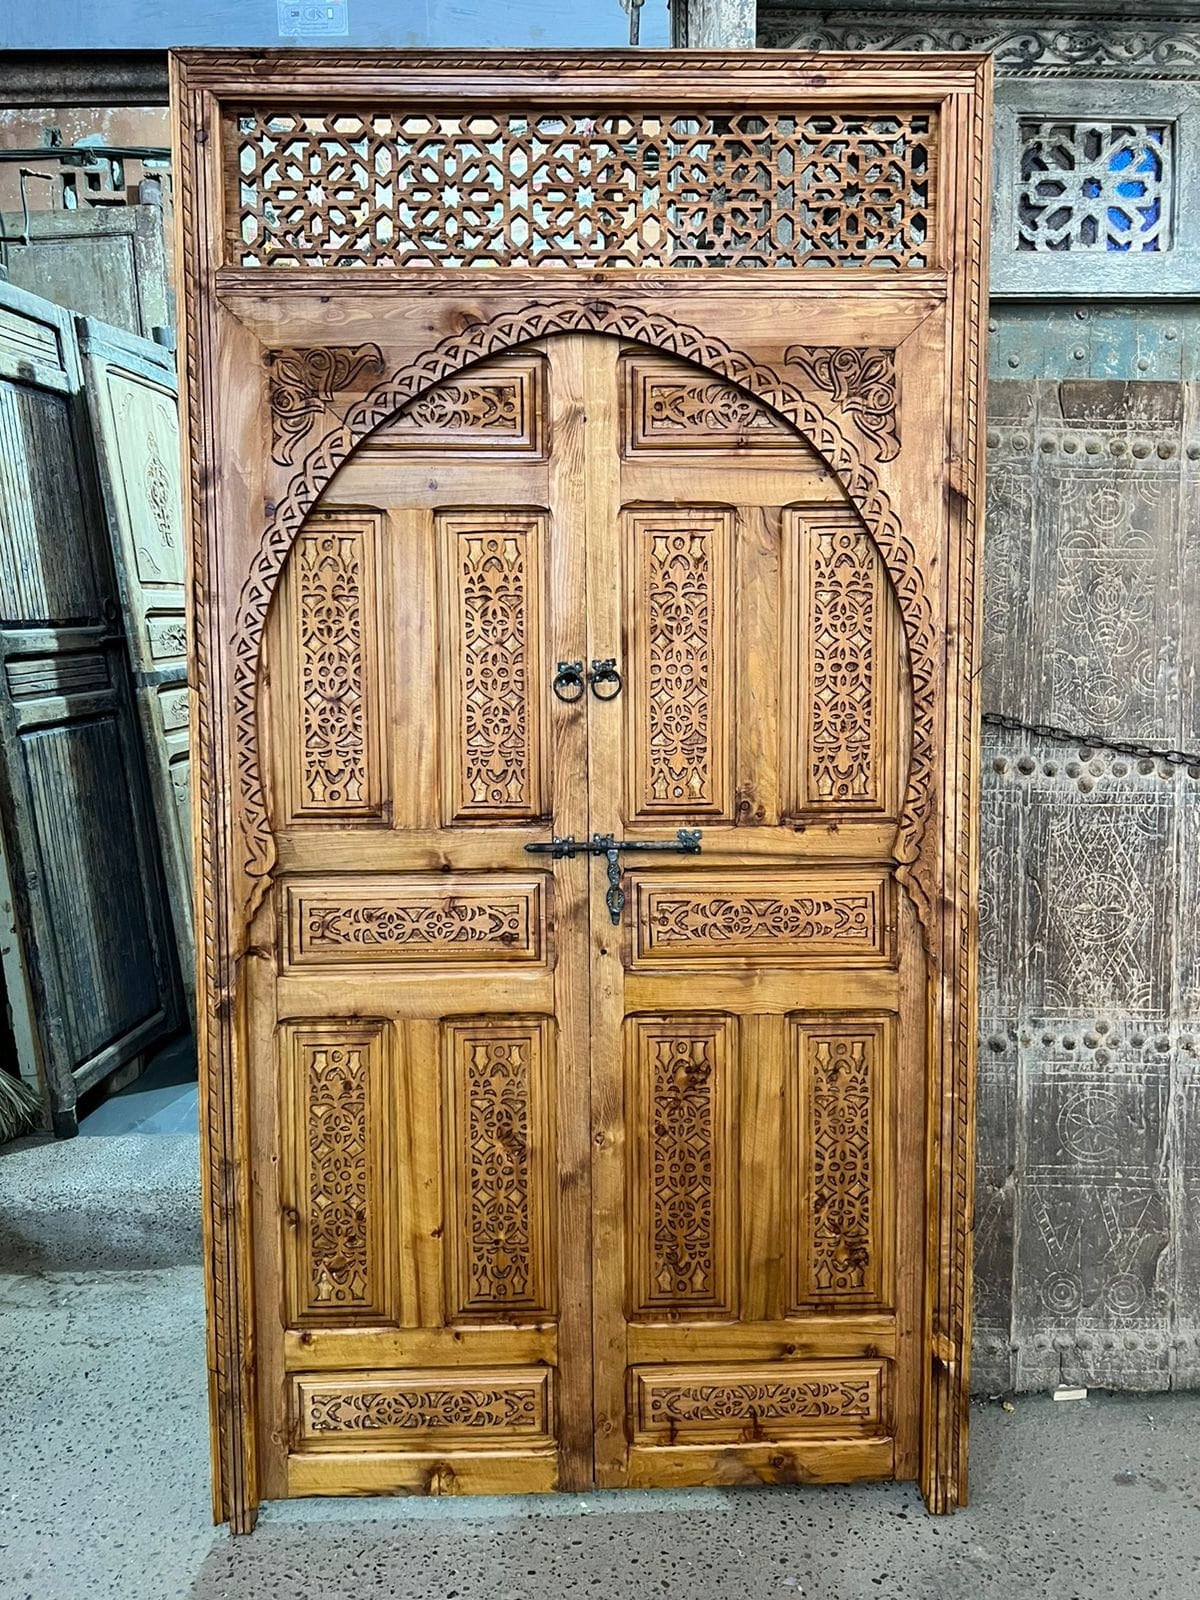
508 331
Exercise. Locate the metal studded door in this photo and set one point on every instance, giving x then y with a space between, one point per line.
584 764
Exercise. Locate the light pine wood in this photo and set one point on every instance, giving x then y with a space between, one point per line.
504 1192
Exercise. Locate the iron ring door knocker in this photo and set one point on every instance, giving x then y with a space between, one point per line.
605 672
568 682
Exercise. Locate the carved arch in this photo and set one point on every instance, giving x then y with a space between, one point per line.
506 332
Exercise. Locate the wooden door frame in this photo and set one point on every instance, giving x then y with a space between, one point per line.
283 344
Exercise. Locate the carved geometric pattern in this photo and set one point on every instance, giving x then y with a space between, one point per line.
501 1172
861 382
335 1089
680 1180
301 383
679 698
589 187
409 919
782 920
1096 186
493 670
759 1400
497 409
333 759
669 407
415 1408
836 1118
840 650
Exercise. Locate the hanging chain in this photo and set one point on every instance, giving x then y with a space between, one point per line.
1045 730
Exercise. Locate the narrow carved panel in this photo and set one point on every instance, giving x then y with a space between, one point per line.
785 919
841 696
670 406
839 1124
331 740
493 664
335 1187
680 608
760 1401
499 408
681 1174
500 1170
445 920
463 1408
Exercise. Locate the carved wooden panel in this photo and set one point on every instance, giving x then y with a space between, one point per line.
842 713
668 406
682 1176
337 1183
760 1400
840 1131
500 1168
500 408
494 663
442 920
681 614
562 186
333 684
466 1409
769 918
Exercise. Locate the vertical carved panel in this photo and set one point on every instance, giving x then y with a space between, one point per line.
335 1185
501 1167
332 743
681 609
493 664
842 693
681 1174
839 1121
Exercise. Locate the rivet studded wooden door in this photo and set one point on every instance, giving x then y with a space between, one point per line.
584 765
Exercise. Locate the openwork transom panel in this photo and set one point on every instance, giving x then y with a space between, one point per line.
698 188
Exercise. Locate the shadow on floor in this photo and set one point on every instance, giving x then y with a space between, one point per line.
162 1100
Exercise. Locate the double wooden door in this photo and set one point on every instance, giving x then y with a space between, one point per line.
597 1037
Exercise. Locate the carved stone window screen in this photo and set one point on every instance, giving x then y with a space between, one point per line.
1097 189
484 186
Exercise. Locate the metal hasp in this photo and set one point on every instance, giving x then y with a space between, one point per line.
686 842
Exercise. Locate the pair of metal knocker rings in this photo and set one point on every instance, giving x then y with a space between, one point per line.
604 680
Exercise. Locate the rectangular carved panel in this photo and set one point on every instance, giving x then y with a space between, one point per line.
682 1173
681 611
780 918
762 1400
839 1128
446 920
669 406
493 664
499 408
332 687
336 1188
500 1168
464 1408
840 698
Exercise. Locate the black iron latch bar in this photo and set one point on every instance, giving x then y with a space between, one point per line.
686 842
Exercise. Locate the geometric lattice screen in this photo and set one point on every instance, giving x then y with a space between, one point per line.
391 187
1102 186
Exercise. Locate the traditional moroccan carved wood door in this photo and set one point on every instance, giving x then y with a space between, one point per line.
584 765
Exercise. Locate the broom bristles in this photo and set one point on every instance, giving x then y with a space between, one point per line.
20 1108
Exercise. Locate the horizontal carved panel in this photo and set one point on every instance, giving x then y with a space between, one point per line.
336 1180
44 677
500 1172
682 1090
590 186
770 917
445 920
839 1128
494 675
670 406
464 1408
765 1400
497 408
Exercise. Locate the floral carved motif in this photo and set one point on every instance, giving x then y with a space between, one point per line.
800 1399
840 1133
843 621
700 920
339 1265
333 757
860 382
472 1407
468 407
301 383
423 925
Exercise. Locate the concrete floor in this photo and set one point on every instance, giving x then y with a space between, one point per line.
103 1488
